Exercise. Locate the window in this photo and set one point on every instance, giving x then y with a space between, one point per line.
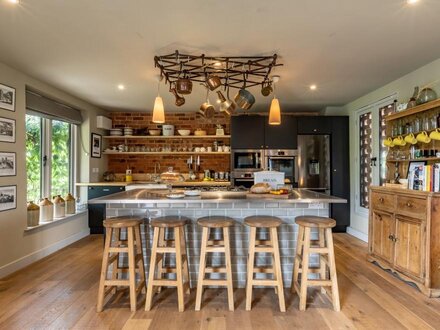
49 157
365 155
383 151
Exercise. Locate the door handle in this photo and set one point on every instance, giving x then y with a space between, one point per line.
373 161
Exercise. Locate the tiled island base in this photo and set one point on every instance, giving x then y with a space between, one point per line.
239 233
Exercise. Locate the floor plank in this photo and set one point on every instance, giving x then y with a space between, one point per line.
59 292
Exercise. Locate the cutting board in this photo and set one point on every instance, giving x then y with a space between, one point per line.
262 196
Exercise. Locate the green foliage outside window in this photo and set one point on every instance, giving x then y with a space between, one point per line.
33 152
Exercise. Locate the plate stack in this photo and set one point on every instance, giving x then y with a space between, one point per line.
128 131
116 132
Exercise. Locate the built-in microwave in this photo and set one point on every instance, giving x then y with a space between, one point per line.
247 160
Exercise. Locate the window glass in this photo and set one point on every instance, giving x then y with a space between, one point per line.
383 112
365 155
33 157
60 157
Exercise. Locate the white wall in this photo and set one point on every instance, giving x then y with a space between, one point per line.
404 87
18 248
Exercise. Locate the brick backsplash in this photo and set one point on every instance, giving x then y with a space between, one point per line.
146 163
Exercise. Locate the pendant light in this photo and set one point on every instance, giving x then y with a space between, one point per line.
275 111
158 110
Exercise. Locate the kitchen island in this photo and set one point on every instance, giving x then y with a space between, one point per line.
235 204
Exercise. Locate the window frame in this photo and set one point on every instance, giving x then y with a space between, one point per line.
46 151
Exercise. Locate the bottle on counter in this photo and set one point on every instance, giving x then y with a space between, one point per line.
33 214
70 204
59 207
46 210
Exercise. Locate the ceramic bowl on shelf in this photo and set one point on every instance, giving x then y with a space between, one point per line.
184 132
199 132
154 132
116 132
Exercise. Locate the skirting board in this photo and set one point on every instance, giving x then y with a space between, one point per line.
40 254
357 234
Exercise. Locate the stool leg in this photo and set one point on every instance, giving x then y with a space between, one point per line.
202 266
185 260
160 264
250 267
150 287
304 270
101 291
278 274
332 268
131 269
139 251
228 268
322 264
297 258
179 268
115 266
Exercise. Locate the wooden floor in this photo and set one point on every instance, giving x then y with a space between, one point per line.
60 291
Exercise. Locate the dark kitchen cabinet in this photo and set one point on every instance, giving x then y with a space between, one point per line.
282 136
247 132
254 132
315 125
97 211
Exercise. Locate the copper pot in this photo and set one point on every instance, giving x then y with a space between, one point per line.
184 86
226 106
244 99
213 82
266 89
207 110
179 99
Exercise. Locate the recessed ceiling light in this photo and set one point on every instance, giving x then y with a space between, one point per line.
411 2
14 1
217 64
313 87
121 87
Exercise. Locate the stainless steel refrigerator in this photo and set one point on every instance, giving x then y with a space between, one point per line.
314 162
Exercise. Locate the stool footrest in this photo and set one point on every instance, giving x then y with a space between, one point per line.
214 282
216 242
265 282
318 283
318 250
215 270
164 282
116 282
215 249
267 249
118 249
265 270
166 249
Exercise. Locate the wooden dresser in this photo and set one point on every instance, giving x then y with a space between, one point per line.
404 235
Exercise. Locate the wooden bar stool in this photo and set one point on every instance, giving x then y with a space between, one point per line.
113 247
267 246
326 259
222 246
161 246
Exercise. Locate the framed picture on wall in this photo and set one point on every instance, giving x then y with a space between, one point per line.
7 130
96 145
8 164
7 97
8 198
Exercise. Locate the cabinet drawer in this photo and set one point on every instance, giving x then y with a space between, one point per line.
414 207
382 201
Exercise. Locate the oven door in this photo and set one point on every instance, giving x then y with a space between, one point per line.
285 164
244 182
247 160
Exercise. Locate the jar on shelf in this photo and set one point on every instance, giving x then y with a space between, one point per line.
33 214
59 207
70 204
46 210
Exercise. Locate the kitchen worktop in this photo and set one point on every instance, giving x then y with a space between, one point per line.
148 196
197 183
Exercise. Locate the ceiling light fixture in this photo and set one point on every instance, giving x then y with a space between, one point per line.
313 87
14 1
411 2
275 110
121 87
158 110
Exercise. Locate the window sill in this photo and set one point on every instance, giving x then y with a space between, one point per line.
56 221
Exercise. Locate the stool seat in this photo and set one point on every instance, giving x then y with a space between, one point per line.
122 222
170 221
215 221
263 221
315 222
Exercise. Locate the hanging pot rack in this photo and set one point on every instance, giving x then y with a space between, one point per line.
234 71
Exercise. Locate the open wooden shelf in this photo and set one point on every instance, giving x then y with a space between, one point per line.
415 110
413 159
164 153
160 137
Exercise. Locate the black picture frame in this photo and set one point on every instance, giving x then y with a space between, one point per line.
4 130
7 97
5 204
96 145
5 158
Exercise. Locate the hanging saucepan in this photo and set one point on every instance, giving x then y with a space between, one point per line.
244 99
266 88
226 106
207 110
184 85
213 82
179 99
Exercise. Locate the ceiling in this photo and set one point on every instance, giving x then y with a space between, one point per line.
347 48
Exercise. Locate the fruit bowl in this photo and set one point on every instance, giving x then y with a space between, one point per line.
184 132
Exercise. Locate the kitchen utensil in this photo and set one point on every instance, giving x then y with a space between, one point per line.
33 214
213 82
116 132
244 99
423 137
180 100
435 135
399 141
426 95
411 139
388 142
226 106
266 88
154 132
184 86
168 130
184 132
